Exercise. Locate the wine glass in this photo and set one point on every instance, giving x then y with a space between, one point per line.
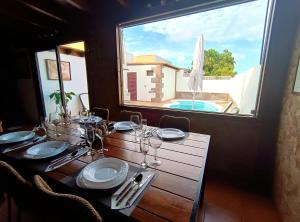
143 124
144 148
90 137
155 143
82 114
135 122
54 118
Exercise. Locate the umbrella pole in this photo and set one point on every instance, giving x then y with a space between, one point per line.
194 94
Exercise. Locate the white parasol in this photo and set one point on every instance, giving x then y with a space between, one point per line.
195 79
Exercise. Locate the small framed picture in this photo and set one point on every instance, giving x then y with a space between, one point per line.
52 70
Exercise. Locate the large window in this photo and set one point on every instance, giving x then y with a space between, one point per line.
206 61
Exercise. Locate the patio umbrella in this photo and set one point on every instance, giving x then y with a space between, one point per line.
195 80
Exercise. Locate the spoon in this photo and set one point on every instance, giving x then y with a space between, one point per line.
136 181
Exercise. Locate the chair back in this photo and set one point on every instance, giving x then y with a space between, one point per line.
15 186
102 112
181 123
125 115
64 207
84 101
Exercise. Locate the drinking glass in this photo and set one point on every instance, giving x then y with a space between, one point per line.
90 137
83 114
143 124
155 143
135 122
144 148
54 118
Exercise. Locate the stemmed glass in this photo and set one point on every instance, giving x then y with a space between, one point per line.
54 118
143 125
135 122
90 137
83 114
155 143
144 148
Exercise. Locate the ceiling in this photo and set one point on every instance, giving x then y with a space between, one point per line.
43 18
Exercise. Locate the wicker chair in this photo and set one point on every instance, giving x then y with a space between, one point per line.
17 188
125 115
102 112
67 207
181 123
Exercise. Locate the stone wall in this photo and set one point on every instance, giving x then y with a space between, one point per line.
287 175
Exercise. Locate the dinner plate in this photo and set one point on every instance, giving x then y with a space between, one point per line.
170 133
15 137
45 150
103 173
124 125
87 119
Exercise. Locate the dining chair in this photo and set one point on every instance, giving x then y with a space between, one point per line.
125 115
16 188
63 207
101 112
84 101
181 123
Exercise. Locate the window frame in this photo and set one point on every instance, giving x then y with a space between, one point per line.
207 6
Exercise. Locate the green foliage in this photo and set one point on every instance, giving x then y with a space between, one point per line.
56 97
218 64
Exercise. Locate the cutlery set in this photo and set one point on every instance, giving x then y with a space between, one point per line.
59 162
126 195
36 140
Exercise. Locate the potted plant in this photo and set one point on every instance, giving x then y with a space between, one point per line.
56 97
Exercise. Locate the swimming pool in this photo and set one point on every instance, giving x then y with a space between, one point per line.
198 105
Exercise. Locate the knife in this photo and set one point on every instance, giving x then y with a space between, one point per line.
137 189
34 141
55 165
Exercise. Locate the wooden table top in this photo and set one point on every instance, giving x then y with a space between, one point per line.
175 193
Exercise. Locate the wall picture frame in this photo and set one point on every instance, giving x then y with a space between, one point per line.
52 73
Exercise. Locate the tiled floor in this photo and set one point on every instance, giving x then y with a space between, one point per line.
223 203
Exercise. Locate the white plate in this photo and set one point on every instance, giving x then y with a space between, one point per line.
15 137
170 133
87 119
104 173
46 149
124 125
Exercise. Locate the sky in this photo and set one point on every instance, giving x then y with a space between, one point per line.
237 28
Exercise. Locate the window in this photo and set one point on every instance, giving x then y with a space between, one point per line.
206 61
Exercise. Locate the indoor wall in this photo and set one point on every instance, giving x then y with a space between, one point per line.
287 179
242 149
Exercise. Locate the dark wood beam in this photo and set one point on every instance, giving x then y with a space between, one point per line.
42 11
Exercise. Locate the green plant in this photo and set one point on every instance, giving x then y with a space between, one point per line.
218 63
56 97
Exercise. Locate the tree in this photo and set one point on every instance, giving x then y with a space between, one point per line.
218 64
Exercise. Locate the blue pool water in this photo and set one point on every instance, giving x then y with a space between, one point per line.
198 105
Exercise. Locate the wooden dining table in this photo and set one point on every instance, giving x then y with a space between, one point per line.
176 192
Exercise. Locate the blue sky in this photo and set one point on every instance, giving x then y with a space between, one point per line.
236 28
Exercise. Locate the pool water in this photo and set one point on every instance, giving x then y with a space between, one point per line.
198 105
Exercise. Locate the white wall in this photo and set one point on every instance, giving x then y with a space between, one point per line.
78 83
249 90
169 82
242 88
144 84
